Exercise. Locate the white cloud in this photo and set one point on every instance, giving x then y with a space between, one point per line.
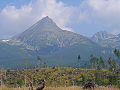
115 31
105 12
15 20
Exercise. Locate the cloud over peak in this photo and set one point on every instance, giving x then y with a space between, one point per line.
103 12
15 20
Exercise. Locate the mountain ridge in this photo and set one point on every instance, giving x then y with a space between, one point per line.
105 39
101 35
56 46
48 33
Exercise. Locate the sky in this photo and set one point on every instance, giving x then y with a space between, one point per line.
85 17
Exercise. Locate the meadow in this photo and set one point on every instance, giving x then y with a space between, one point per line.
56 78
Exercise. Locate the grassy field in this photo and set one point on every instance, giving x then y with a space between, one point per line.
59 78
63 88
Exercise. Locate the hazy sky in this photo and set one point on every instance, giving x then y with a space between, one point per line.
82 16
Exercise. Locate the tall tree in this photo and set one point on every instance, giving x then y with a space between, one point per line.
45 64
38 62
117 53
79 58
101 63
26 61
94 61
112 64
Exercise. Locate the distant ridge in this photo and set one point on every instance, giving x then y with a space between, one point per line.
107 40
101 35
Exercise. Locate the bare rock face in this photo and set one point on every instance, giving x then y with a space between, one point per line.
107 40
57 46
45 33
102 35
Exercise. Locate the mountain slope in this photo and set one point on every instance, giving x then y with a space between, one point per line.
11 56
56 46
46 33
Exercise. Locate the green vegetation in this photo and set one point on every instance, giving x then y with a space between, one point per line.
57 77
102 72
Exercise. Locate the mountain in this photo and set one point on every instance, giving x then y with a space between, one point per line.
10 56
101 36
106 40
45 33
56 46
113 42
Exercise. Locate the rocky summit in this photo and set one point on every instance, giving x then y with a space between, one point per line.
57 46
45 33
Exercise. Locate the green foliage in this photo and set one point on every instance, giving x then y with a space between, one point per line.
57 77
113 80
101 63
38 62
45 65
118 84
19 82
94 61
112 64
79 57
117 53
97 63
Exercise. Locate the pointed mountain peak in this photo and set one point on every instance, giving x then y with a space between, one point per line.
46 20
47 17
45 24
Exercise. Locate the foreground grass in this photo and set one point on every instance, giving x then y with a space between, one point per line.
63 78
62 88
